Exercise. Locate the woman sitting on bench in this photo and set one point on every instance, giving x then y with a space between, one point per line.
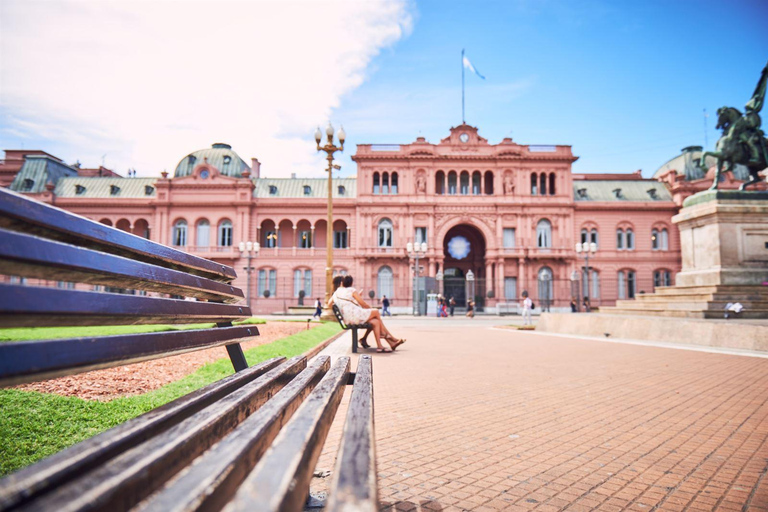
355 310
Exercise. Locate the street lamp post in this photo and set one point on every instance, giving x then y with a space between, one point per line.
415 252
330 148
439 278
585 249
250 249
471 287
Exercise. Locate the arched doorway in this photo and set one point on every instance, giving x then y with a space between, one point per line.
464 252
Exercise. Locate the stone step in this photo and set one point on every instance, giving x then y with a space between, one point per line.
695 290
692 303
684 313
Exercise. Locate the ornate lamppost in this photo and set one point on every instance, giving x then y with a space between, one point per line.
415 252
330 148
250 250
439 278
584 250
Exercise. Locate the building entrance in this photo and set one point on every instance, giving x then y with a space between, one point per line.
464 252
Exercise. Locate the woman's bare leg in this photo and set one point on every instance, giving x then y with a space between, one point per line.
376 327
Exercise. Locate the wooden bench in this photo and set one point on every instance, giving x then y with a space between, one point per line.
346 327
248 441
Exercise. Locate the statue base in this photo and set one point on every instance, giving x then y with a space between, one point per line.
724 246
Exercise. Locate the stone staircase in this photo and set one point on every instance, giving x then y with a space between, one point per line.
695 302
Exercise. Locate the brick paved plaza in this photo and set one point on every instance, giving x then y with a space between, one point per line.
469 417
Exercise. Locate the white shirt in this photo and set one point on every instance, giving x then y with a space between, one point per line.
527 303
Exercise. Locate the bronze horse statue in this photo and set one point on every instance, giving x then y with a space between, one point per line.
743 142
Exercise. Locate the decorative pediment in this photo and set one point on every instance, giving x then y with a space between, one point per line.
464 135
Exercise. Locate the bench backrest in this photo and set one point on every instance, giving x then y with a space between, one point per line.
340 318
39 241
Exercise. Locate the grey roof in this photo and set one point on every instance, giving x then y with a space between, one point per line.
687 164
39 170
215 156
97 187
294 187
630 190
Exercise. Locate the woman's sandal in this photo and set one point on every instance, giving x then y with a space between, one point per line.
364 343
383 351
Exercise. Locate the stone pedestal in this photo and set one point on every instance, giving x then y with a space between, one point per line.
724 243
724 239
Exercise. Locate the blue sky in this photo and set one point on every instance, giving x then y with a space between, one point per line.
133 83
625 83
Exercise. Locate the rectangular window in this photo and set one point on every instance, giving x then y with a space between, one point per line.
510 288
267 281
620 239
339 239
420 235
509 238
302 280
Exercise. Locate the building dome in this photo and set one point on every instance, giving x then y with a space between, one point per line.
687 164
219 156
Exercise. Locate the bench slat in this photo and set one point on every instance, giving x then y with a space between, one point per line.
125 480
30 256
32 306
354 479
214 477
72 462
281 479
29 361
22 214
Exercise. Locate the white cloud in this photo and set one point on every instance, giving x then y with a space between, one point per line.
147 82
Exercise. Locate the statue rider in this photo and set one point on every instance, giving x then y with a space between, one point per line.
748 127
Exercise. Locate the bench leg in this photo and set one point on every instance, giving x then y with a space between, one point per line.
237 357
354 341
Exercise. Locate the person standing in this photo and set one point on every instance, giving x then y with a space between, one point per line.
587 305
318 309
471 309
385 307
452 304
527 306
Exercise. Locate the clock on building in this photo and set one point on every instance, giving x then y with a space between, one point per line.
464 137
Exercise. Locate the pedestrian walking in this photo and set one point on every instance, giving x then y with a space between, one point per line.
385 307
318 309
587 307
452 305
573 305
527 307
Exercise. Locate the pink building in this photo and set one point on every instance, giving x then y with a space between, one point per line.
498 219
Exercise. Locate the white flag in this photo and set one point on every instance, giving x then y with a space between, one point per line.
470 67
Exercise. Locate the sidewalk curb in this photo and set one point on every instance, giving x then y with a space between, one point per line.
309 354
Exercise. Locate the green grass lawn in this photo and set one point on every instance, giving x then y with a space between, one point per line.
34 425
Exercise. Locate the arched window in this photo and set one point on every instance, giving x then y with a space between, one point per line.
179 234
584 235
630 240
655 239
544 234
488 183
393 184
552 184
440 183
546 287
620 239
476 179
664 239
593 238
203 233
385 183
464 183
385 282
452 183
225 233
534 184
543 184
375 183
385 233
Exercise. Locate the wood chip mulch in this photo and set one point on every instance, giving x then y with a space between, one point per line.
135 379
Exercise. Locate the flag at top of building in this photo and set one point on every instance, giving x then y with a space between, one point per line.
469 65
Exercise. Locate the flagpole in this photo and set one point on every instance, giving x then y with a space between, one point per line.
462 87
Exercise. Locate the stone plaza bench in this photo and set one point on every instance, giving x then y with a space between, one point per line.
353 328
249 441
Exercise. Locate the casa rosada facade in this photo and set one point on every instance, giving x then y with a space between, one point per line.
498 219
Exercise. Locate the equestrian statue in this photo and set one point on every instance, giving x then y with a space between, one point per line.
742 142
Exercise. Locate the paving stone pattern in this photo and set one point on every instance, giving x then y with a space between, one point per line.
473 418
